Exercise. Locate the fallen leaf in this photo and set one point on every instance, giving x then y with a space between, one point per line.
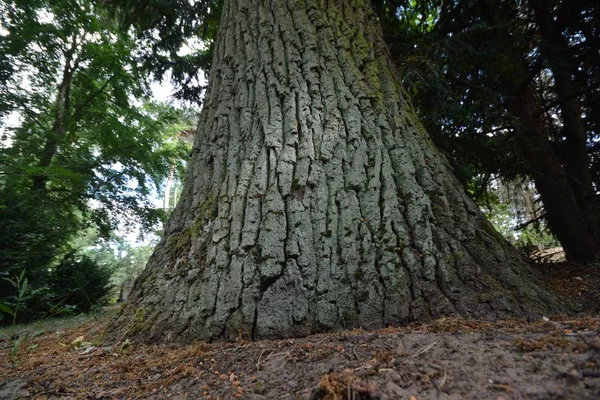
77 342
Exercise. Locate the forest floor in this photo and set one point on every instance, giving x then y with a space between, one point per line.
451 358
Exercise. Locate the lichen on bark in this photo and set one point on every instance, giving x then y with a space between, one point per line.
314 199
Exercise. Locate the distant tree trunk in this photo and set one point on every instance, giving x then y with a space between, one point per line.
168 187
51 146
576 160
314 199
564 183
563 211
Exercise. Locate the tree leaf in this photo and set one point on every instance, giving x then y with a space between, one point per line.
6 309
23 288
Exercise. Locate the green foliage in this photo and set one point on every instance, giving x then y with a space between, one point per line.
132 261
513 209
90 147
539 236
465 63
20 283
167 28
79 283
124 260
505 220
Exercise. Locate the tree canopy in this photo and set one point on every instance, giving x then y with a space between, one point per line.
510 89
90 145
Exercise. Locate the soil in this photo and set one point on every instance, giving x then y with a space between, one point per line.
579 283
451 358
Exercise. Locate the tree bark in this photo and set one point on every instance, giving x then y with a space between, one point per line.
314 199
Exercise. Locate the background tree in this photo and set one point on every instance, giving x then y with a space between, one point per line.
164 28
90 146
510 88
314 198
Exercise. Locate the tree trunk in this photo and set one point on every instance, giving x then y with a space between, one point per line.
314 200
563 211
576 159
62 104
565 188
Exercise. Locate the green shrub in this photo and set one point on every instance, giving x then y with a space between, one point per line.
78 284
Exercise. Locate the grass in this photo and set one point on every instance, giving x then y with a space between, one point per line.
56 324
20 340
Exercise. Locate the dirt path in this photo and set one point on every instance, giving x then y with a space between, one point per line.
451 358
447 359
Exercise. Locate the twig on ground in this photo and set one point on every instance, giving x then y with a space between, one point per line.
277 354
125 334
420 351
259 357
441 385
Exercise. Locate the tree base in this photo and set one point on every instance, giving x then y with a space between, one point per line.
315 200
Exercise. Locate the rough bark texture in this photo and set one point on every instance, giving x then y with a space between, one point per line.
314 199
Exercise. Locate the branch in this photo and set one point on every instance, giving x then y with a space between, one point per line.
579 93
80 109
34 116
531 221
483 186
535 69
76 58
